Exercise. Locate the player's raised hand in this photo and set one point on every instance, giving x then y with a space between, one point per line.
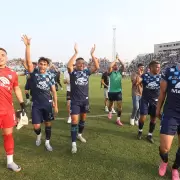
76 48
26 40
93 50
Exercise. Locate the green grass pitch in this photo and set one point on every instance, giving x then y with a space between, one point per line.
111 152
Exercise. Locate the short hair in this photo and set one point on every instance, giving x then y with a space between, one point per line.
2 49
140 64
44 59
154 62
80 58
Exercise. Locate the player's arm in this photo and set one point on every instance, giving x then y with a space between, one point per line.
54 93
161 99
27 42
72 60
121 63
138 80
24 64
102 81
111 66
94 68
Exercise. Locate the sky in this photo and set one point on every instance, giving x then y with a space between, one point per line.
55 25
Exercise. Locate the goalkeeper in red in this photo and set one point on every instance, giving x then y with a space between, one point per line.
8 83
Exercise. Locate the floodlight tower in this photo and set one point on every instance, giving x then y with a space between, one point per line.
114 44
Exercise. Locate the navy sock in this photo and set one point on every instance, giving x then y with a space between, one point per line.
81 126
141 124
176 164
48 132
164 156
27 96
118 113
151 127
74 128
37 131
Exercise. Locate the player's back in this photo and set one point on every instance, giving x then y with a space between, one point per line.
8 80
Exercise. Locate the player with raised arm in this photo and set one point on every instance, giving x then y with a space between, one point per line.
149 99
79 82
170 119
42 84
115 88
8 83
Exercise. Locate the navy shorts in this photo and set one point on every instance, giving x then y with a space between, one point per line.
115 96
170 125
27 85
42 113
148 107
79 107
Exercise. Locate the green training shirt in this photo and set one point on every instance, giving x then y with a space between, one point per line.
115 78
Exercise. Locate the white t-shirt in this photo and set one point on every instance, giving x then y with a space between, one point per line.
67 77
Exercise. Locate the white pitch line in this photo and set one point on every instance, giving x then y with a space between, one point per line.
91 116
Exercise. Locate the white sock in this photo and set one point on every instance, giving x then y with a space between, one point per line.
149 134
39 137
9 159
118 118
73 143
140 130
47 141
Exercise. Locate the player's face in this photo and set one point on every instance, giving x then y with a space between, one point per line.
80 65
43 66
155 69
115 67
141 70
3 58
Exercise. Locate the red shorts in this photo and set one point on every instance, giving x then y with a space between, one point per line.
8 120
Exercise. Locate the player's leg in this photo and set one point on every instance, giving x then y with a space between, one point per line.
75 111
106 99
37 119
27 88
68 106
48 117
111 100
167 132
119 108
143 112
7 124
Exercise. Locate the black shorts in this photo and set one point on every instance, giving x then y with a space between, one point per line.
68 96
79 107
115 96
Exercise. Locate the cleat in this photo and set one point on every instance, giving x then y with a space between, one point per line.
113 111
162 168
48 147
69 120
119 123
110 115
74 149
137 122
38 140
132 122
175 174
81 138
139 135
14 167
106 109
150 139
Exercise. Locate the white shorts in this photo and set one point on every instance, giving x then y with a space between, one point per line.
105 93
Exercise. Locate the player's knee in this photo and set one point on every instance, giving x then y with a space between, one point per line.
37 126
48 124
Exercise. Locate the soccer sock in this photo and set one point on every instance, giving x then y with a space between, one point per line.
74 128
81 126
9 147
27 96
48 132
176 164
141 124
37 131
151 128
164 156
118 115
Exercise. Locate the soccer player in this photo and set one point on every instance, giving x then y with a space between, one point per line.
105 83
8 82
136 94
151 89
42 83
115 88
79 82
68 94
170 119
